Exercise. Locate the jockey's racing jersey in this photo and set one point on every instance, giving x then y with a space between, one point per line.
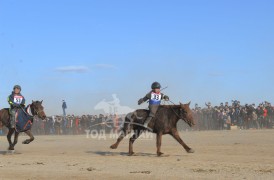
16 99
154 98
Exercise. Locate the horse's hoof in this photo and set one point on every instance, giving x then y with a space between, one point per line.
25 142
11 151
113 147
131 153
11 148
159 154
191 151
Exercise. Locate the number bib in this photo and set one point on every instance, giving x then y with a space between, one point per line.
155 98
18 99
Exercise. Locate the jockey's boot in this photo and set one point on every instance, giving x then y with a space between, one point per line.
147 121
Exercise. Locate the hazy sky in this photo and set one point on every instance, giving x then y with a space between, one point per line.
83 51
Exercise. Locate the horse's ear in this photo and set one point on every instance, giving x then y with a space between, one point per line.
41 101
189 102
32 101
180 103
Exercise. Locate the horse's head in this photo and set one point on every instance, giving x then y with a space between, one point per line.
38 109
186 114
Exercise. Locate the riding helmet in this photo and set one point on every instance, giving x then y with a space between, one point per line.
17 87
155 85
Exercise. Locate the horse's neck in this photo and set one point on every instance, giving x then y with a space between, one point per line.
175 113
28 109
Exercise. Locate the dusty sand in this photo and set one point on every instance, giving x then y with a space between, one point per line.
246 154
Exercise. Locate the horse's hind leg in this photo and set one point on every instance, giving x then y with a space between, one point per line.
136 134
27 141
176 136
125 131
11 131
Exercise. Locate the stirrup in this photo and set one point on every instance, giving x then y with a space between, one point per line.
145 125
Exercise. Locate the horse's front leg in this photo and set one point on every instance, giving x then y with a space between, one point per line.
159 143
11 131
176 136
16 134
27 141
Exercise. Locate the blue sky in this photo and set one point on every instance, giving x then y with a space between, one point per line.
84 51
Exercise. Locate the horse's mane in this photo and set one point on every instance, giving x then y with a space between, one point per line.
171 106
164 107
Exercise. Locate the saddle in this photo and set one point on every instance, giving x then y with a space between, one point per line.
23 121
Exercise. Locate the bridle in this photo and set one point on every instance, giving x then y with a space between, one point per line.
37 112
180 117
30 113
181 112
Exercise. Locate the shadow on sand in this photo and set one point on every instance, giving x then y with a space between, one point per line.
108 153
9 152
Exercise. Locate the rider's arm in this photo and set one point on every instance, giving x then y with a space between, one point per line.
144 99
147 97
165 97
10 101
23 101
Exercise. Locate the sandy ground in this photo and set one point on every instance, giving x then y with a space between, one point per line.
247 154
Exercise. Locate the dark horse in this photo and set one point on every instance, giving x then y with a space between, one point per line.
36 108
165 122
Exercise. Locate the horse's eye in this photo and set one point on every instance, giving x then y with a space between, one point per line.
40 108
183 112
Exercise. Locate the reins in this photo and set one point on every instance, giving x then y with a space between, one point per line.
31 115
23 109
174 110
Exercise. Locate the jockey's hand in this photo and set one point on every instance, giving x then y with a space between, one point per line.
140 101
16 105
166 98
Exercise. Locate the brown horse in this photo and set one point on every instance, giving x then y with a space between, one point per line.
165 122
36 108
